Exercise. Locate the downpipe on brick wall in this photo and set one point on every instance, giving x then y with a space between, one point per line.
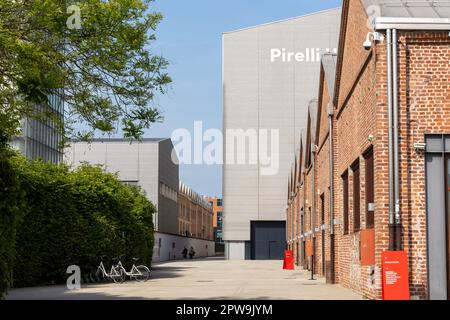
395 227
313 208
331 164
303 221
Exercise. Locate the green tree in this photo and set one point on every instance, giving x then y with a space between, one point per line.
101 65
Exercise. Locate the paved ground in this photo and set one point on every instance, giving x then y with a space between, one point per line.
211 278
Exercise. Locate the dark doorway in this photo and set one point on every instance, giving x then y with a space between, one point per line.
437 172
268 240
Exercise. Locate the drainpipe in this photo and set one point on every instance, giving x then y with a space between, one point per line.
395 228
398 227
297 231
303 219
390 141
287 225
331 163
313 208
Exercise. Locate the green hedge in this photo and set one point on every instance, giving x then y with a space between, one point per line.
73 218
11 207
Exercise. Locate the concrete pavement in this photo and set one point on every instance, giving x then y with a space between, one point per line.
212 278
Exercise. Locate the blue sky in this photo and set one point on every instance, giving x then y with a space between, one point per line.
190 38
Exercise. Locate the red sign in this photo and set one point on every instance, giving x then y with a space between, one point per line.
308 248
288 263
395 275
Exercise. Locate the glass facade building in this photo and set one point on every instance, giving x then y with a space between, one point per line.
40 138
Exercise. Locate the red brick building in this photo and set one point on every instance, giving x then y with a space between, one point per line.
218 218
380 181
195 214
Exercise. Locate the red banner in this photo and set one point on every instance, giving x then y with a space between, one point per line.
308 248
395 275
288 263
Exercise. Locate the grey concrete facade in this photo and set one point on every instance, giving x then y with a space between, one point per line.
270 73
147 163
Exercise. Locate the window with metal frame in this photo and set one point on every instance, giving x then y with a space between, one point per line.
345 204
369 189
356 197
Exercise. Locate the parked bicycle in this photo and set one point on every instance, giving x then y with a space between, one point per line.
116 272
140 273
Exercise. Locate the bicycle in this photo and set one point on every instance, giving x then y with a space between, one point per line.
116 273
140 273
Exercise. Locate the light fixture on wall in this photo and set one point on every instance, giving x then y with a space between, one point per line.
372 36
420 146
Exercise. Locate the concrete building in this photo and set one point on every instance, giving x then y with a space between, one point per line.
196 214
149 164
375 176
40 138
269 73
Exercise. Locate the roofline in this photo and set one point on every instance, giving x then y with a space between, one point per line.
282 20
383 23
341 49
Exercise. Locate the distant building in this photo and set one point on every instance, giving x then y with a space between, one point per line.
218 218
40 138
147 163
195 214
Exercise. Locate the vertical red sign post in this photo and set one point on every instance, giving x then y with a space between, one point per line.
288 263
395 275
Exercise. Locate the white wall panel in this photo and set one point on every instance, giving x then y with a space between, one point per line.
261 94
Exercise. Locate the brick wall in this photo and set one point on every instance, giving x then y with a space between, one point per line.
360 113
424 100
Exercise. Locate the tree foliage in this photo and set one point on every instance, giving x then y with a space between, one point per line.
104 70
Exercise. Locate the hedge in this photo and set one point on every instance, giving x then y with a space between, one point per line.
11 207
73 217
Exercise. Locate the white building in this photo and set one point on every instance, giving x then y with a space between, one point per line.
153 165
270 73
147 164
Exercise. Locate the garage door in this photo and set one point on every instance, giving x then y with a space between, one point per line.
268 240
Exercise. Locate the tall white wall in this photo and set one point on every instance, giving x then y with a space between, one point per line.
262 94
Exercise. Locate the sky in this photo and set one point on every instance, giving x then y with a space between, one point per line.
190 37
